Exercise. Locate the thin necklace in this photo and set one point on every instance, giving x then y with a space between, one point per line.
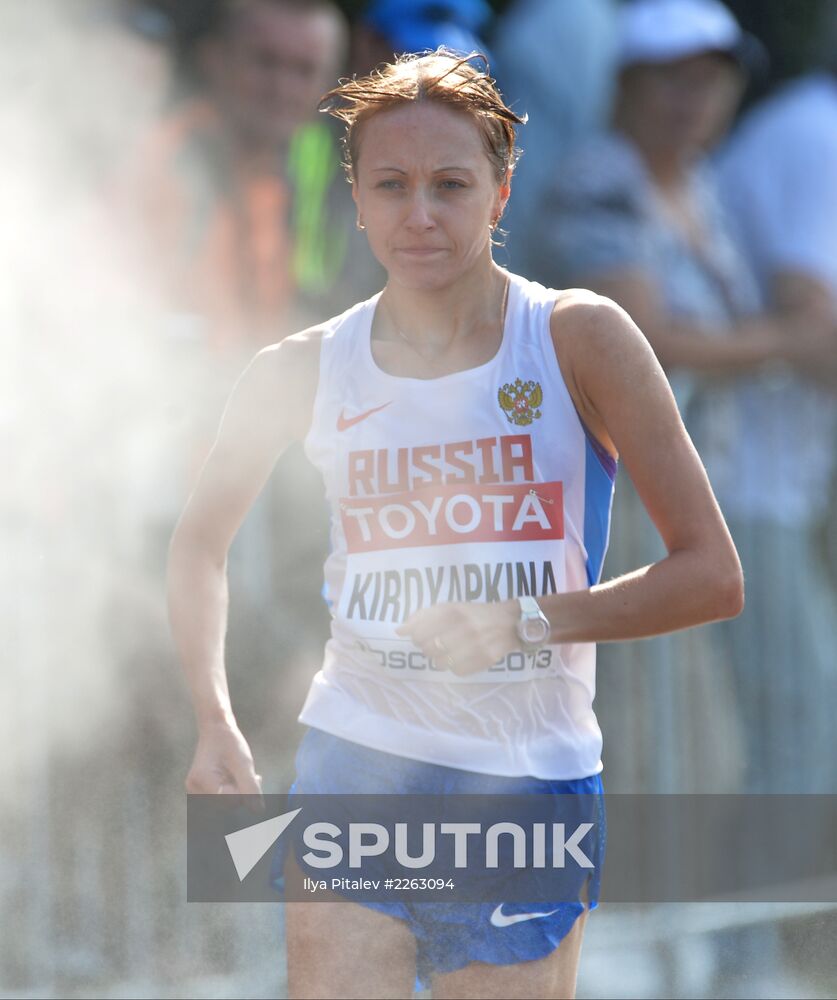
410 343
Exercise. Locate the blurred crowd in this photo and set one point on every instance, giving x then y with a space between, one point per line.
174 202
183 202
220 193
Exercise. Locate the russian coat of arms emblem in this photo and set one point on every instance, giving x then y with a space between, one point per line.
520 401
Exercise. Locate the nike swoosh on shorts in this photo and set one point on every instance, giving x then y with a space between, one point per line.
500 919
344 423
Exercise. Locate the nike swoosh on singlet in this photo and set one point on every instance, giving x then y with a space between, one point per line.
500 919
344 423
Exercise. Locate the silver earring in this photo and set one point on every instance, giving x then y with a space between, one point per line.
359 224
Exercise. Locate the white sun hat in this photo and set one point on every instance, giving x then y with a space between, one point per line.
653 31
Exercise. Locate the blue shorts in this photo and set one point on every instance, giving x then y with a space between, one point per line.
449 936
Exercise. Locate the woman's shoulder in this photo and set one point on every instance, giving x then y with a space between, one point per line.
570 301
582 305
297 358
286 372
299 346
308 343
591 334
569 306
586 325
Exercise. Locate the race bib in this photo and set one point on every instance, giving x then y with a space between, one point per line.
448 543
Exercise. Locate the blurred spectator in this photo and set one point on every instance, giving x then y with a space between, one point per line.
555 62
133 40
779 181
633 214
250 229
249 214
390 27
786 209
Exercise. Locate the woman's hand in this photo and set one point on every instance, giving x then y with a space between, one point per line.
464 637
223 763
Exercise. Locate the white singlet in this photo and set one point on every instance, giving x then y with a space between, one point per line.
480 485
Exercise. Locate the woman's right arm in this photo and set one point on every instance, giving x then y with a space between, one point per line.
269 407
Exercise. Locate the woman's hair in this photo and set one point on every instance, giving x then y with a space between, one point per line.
441 77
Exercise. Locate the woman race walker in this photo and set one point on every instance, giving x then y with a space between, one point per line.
467 423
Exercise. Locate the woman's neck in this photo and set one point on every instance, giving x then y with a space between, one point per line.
437 319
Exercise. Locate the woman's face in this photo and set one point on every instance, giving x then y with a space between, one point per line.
683 105
426 192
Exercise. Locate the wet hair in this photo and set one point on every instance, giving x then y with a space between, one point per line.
441 77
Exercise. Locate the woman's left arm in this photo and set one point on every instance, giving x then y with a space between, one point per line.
624 396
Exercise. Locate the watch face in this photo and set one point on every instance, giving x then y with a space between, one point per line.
534 630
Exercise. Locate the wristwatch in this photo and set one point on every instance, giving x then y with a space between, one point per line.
533 628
